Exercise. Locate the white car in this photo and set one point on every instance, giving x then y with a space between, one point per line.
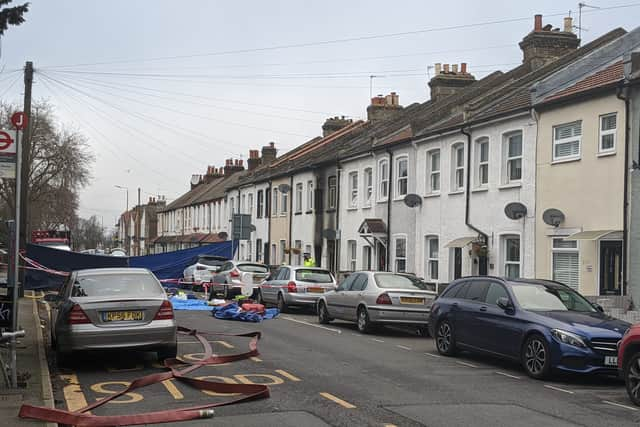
204 269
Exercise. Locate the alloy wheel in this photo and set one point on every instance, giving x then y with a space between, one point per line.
535 356
633 379
362 320
443 339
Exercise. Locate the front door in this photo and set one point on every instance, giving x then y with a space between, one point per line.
611 267
457 263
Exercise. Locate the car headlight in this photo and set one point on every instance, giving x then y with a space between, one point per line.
568 338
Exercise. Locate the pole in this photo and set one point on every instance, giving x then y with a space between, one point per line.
24 159
16 261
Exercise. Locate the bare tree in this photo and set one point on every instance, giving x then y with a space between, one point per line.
89 234
60 162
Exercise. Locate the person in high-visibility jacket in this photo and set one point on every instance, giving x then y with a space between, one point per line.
308 261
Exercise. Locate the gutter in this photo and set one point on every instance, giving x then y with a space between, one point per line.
467 204
622 94
389 207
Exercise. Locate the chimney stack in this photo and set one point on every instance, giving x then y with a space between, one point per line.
254 160
269 153
446 83
568 24
463 68
544 45
334 124
383 107
537 23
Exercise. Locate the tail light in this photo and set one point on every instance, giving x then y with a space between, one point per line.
201 267
383 299
234 273
165 312
77 316
291 287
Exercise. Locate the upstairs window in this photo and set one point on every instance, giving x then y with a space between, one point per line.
383 179
299 197
433 171
457 167
608 127
274 205
482 161
285 204
368 186
513 157
260 203
310 195
353 189
402 176
250 203
432 258
567 139
401 254
332 184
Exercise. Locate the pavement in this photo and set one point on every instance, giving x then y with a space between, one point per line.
331 375
32 367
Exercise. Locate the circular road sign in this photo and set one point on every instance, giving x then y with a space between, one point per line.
19 120
5 140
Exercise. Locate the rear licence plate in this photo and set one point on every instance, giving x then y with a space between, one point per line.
121 316
611 361
316 290
411 300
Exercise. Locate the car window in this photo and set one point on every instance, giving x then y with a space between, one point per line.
461 292
346 283
451 290
360 283
283 274
227 266
398 281
495 292
210 261
541 297
477 290
117 285
314 276
253 268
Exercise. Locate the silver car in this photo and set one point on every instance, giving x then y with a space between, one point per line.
229 279
370 298
112 308
296 285
204 269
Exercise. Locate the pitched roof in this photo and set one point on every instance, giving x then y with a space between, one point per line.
605 77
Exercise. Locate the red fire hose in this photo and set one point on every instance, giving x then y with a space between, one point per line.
178 370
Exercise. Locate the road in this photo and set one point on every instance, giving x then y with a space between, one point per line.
336 376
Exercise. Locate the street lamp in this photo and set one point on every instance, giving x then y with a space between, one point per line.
127 190
125 216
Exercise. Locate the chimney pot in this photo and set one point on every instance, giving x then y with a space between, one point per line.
568 24
537 23
446 68
463 68
272 144
438 68
454 68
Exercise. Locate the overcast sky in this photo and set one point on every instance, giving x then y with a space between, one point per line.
164 88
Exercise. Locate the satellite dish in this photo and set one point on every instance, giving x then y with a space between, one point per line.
412 200
553 217
515 210
284 188
223 235
329 234
195 179
247 284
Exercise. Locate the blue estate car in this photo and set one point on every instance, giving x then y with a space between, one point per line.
542 324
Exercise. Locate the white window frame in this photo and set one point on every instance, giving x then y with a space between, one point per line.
283 255
457 170
298 245
259 248
504 256
284 209
480 163
298 198
567 140
332 192
352 254
396 238
432 259
607 132
367 178
399 179
431 173
274 205
353 189
507 160
250 204
558 250
243 204
310 196
259 203
383 180
274 254
249 249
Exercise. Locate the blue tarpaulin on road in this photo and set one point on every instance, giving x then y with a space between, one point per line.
232 312
189 304
169 265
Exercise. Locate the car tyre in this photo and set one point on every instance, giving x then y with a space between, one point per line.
536 357
226 293
282 306
169 352
323 313
365 325
445 338
632 378
63 358
259 299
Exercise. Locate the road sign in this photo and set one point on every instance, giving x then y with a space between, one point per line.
7 154
19 120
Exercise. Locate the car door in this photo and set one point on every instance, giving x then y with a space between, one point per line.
336 300
280 284
353 296
269 288
467 328
500 329
58 305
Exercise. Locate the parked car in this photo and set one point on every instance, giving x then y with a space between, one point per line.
112 308
295 285
542 324
228 280
629 362
204 268
372 298
118 252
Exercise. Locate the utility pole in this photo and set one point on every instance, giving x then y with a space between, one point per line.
25 162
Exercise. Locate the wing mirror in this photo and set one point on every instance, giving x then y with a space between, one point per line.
52 297
598 307
505 304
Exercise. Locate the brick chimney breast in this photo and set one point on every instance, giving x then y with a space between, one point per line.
545 44
254 160
448 81
269 153
334 124
383 107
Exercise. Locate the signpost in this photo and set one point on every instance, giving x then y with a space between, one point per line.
7 155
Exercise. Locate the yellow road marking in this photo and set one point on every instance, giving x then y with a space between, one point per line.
73 393
337 400
125 398
223 379
224 344
271 379
171 388
288 375
390 425
256 359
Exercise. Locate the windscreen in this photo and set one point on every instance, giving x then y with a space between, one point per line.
537 297
314 276
253 268
396 281
117 285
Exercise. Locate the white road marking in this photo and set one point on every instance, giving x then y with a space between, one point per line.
437 356
559 389
508 375
403 347
470 365
377 340
620 405
338 331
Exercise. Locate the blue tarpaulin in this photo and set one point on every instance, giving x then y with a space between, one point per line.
232 312
169 265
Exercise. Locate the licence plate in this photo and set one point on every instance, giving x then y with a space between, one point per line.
316 290
611 361
121 316
411 300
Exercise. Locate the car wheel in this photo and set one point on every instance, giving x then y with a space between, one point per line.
282 306
632 378
364 324
226 294
63 358
536 357
168 352
445 339
259 299
323 313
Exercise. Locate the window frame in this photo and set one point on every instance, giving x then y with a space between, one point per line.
457 169
332 192
555 250
299 197
431 172
298 245
397 238
367 178
310 196
556 142
398 194
259 203
352 178
478 143
284 209
383 180
507 160
505 254
250 204
429 259
259 248
275 194
602 133
352 253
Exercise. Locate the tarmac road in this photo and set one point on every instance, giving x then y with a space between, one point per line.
332 375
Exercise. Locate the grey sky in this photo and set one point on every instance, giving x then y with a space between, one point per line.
153 124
